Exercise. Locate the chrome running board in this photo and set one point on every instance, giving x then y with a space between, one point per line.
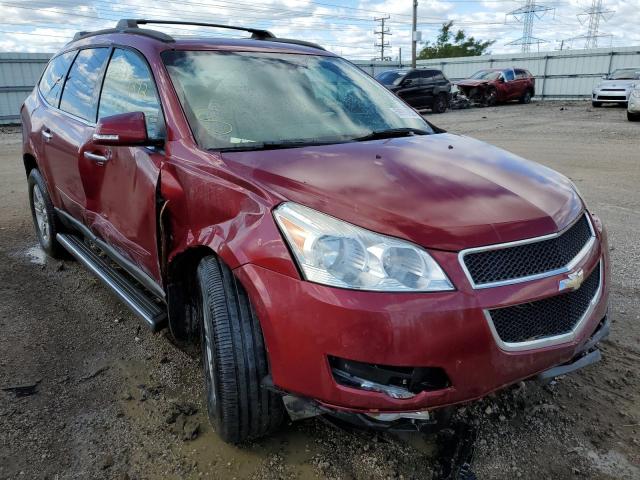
143 304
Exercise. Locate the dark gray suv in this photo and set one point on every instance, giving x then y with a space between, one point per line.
419 87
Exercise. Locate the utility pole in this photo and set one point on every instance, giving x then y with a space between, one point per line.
527 15
400 56
414 34
382 32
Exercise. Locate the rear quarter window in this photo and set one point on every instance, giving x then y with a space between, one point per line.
53 77
79 94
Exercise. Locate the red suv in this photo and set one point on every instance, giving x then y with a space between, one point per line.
331 251
497 85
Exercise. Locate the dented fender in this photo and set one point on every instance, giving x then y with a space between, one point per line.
209 206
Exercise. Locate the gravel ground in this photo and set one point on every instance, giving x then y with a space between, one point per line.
105 398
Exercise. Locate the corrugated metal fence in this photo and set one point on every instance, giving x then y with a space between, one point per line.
568 74
19 72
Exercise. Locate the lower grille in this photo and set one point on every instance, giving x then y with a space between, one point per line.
621 98
548 317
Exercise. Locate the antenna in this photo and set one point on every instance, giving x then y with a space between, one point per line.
382 32
527 15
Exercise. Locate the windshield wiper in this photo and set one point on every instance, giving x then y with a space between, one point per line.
392 133
275 145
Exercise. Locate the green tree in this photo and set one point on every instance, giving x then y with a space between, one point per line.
461 46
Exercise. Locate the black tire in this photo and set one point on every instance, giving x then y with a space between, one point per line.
596 104
440 103
491 97
45 220
235 359
633 117
526 98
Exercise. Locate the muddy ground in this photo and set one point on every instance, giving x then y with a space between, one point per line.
105 398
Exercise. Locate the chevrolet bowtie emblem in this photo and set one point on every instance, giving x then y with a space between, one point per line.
573 281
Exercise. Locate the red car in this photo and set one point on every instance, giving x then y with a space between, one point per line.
330 250
493 85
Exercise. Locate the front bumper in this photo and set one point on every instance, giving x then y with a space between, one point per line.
304 324
634 104
610 96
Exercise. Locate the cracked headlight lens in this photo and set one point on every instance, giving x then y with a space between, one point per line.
339 254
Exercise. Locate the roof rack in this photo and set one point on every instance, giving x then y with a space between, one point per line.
129 25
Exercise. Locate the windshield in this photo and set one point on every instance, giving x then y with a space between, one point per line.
246 100
390 77
626 74
486 75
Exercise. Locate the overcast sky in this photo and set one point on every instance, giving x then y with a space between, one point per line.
343 26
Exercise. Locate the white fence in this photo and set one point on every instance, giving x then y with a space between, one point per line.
568 74
19 72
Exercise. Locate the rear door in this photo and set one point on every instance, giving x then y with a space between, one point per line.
521 82
68 127
121 192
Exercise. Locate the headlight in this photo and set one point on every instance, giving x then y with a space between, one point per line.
336 253
636 93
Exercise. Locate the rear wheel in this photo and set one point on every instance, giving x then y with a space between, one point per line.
596 104
44 216
235 358
633 117
440 103
526 98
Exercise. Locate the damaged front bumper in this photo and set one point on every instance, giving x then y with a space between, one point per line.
300 408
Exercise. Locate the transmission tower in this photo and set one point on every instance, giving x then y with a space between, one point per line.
527 15
593 16
383 32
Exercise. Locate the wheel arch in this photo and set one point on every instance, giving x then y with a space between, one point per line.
30 163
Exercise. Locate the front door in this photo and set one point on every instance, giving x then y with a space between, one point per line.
120 182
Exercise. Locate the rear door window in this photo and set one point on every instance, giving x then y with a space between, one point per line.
129 87
80 90
53 77
521 74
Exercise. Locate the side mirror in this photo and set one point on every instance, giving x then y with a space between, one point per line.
407 82
501 79
125 129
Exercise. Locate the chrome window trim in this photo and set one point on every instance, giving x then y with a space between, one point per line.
567 268
547 341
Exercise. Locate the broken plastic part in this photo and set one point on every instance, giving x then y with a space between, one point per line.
390 390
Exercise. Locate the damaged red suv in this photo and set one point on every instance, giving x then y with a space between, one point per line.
331 251
495 85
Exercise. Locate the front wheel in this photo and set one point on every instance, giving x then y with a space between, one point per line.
596 104
491 97
440 103
633 117
44 216
235 358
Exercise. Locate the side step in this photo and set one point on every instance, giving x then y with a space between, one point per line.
140 302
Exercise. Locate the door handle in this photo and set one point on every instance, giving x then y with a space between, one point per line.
94 157
47 134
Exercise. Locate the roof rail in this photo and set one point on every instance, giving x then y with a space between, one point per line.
256 33
129 25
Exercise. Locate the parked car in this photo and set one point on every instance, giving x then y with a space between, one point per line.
616 87
419 87
633 107
493 85
330 250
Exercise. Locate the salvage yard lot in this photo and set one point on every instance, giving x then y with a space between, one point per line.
105 398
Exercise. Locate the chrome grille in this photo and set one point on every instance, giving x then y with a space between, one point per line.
519 261
545 318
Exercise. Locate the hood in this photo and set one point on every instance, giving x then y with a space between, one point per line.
618 83
440 191
472 83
